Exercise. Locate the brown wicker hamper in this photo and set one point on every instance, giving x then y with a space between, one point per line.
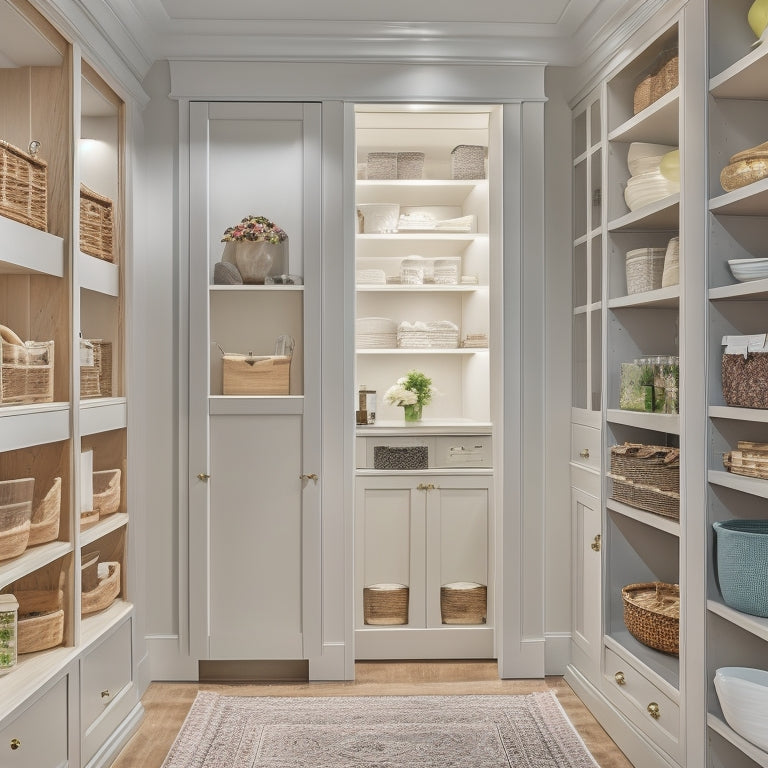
96 224
652 614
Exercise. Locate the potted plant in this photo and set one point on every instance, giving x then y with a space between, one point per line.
412 392
259 249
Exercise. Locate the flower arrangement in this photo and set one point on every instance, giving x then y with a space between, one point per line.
255 229
413 389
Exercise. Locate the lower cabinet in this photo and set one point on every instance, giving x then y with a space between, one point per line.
422 532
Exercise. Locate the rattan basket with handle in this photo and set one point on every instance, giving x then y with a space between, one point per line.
104 593
26 370
15 516
23 186
652 614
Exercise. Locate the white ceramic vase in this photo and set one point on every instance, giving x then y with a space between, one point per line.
257 259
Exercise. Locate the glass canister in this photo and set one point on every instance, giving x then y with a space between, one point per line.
366 407
9 613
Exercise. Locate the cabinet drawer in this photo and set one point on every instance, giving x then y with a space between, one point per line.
38 737
585 446
635 695
106 670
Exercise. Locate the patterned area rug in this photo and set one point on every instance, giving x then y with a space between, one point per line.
530 731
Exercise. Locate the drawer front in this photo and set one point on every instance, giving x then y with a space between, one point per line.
585 446
38 737
105 671
640 700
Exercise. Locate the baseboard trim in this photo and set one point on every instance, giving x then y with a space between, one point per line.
166 661
231 671
119 738
331 664
557 652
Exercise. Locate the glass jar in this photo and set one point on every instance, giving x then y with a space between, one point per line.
9 612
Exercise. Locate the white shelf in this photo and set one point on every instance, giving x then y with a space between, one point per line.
103 414
98 275
238 288
425 351
666 298
749 749
739 414
663 214
754 624
752 485
416 237
660 422
658 123
749 291
417 191
31 560
746 79
110 523
384 428
255 405
666 524
27 250
22 426
428 288
751 200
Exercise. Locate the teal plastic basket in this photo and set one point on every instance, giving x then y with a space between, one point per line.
741 548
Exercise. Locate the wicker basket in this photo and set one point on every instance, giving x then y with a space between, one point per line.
385 604
647 497
96 224
666 77
652 614
96 379
45 516
41 617
463 602
103 594
89 571
745 168
655 465
410 165
749 459
26 370
23 186
382 165
644 269
741 548
15 516
256 375
642 97
106 492
745 381
468 161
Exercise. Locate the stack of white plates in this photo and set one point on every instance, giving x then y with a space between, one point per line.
743 696
749 269
375 333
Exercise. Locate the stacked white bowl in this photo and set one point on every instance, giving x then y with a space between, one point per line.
647 183
743 695
749 269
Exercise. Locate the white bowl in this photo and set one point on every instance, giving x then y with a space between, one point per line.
743 696
745 270
641 153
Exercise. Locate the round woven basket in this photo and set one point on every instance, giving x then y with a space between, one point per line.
463 602
652 614
385 604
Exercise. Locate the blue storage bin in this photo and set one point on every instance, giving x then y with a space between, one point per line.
741 552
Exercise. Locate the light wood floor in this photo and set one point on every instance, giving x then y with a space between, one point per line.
166 704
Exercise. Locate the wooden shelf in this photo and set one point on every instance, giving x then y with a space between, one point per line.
29 251
110 523
657 124
666 524
425 351
660 422
102 414
260 288
664 298
428 288
234 405
751 200
449 237
417 191
663 214
754 624
31 560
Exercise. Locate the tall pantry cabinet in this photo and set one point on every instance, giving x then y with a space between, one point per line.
63 282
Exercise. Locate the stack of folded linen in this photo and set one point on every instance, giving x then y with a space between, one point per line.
375 333
475 340
370 277
441 334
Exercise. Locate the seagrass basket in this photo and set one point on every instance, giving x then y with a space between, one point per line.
96 379
745 167
15 516
385 604
23 186
106 492
745 381
463 602
647 497
41 613
654 465
26 370
96 224
102 592
44 526
652 614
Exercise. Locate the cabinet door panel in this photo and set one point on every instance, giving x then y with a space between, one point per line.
255 537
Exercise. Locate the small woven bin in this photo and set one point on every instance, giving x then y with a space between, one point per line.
745 168
41 613
410 165
23 187
15 516
652 614
96 224
104 592
463 603
44 526
745 381
382 165
106 491
385 604
644 269
26 370
468 161
741 548
653 465
646 497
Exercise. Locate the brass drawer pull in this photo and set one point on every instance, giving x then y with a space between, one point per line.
584 453
596 543
15 743
203 476
311 476
619 678
105 694
654 711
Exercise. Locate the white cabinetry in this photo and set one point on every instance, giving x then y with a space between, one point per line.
254 458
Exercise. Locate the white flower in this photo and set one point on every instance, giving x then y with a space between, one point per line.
398 395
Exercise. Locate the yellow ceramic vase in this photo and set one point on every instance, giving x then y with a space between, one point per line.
758 17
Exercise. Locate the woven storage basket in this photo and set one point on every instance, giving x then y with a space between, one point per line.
382 165
106 491
749 459
642 96
666 77
652 614
654 465
745 381
410 165
103 594
741 548
26 370
468 161
44 526
745 168
400 457
256 375
41 619
23 187
96 379
671 273
385 604
96 224
644 269
15 516
463 602
647 497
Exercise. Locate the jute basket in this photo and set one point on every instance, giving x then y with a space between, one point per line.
45 516
385 604
96 224
15 516
745 168
654 465
23 186
96 379
26 370
106 491
463 603
652 614
104 593
745 382
647 497
41 616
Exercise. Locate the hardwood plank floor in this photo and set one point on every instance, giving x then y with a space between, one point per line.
166 704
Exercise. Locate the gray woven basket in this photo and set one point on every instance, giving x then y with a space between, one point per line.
645 268
382 165
741 557
468 161
410 165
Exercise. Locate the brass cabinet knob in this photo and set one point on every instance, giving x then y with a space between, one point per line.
202 476
105 694
426 487
584 453
619 678
15 743
311 476
654 711
596 543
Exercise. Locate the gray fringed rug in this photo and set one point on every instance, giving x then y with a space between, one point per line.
530 731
